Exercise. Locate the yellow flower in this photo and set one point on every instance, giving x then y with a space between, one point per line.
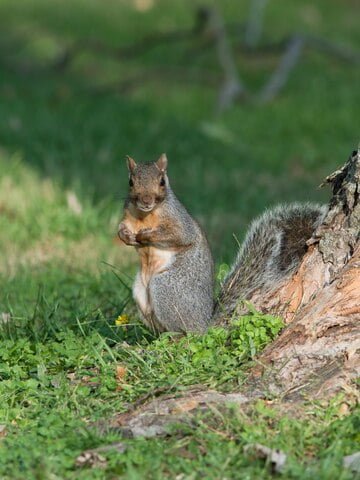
122 320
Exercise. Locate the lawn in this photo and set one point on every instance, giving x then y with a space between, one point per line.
64 277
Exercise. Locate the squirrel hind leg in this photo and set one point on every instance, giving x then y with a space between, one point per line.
142 298
177 308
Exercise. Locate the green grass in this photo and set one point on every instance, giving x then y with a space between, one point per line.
64 278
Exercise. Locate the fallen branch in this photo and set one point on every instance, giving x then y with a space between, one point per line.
232 86
154 418
255 23
210 31
280 76
290 58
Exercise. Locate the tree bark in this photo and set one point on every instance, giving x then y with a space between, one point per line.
319 351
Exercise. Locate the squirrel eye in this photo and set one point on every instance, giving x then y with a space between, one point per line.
162 182
131 183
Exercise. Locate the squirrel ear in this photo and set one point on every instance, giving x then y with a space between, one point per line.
131 164
162 162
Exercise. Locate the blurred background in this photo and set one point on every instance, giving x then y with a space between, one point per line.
253 101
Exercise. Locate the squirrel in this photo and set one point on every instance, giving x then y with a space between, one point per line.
174 286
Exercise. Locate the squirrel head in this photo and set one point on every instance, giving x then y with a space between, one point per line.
148 183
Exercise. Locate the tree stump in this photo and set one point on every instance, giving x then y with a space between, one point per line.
319 351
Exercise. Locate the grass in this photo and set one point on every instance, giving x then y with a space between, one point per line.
64 279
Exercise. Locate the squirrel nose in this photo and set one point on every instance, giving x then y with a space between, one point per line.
146 199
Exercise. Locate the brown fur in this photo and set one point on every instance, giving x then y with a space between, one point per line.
147 228
135 220
151 262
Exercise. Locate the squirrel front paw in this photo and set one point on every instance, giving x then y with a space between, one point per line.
143 235
126 235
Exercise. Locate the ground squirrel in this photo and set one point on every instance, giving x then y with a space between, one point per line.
174 286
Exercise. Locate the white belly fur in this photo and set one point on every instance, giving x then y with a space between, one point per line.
153 261
140 294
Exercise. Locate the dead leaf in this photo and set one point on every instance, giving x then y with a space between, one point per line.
276 458
3 431
344 409
91 458
89 380
120 373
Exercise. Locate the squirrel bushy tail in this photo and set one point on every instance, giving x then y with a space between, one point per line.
272 250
